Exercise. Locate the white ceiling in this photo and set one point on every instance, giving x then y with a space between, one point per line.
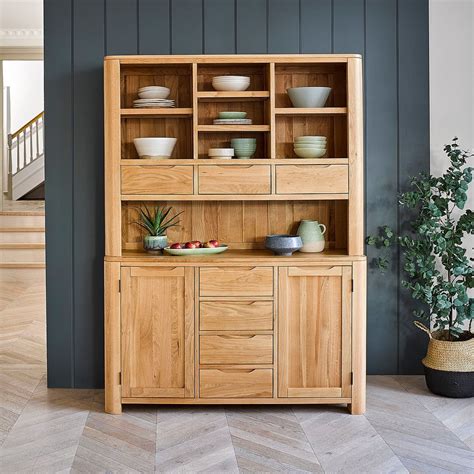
21 22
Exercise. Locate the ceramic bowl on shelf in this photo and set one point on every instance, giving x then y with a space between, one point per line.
153 92
232 115
310 152
283 244
154 147
221 153
244 147
308 97
311 140
309 145
230 83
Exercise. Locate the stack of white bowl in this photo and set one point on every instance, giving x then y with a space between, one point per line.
230 83
310 146
153 96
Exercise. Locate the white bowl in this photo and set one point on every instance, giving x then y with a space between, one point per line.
154 147
221 152
309 152
311 137
305 97
230 83
154 92
309 145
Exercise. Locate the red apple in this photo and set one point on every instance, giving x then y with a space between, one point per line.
176 245
214 243
197 243
208 245
190 245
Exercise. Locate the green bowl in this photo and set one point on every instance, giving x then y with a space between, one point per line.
243 141
309 153
232 115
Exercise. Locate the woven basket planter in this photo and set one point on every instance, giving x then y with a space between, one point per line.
449 365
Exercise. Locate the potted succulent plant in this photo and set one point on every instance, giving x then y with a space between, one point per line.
156 222
439 273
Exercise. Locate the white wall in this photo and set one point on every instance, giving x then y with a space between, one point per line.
452 83
25 79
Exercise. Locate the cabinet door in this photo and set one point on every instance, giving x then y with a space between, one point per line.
158 332
314 357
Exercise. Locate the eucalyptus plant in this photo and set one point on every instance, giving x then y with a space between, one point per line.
439 271
156 221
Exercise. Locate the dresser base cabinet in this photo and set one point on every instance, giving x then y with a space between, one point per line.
166 343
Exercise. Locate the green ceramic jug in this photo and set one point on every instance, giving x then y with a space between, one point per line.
312 235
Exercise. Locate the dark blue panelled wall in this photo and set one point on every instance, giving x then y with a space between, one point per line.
392 36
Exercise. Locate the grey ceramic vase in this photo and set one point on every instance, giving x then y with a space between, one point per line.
155 243
283 244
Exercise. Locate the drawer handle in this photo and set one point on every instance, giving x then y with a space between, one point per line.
236 371
238 336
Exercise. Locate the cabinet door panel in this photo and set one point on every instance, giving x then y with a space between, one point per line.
157 332
314 332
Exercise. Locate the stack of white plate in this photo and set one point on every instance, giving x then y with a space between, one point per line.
232 122
222 153
310 146
153 103
154 97
230 83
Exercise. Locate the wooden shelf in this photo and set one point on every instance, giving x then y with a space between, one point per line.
233 128
311 111
158 112
236 255
235 197
232 95
236 161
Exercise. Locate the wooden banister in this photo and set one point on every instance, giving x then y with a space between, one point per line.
28 124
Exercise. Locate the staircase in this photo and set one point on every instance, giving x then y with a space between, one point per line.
25 159
22 242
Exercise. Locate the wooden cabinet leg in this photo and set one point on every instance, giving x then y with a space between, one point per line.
357 407
112 356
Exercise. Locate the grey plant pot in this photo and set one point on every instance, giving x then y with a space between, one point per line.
155 243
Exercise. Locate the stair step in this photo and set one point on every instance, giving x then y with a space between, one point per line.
16 253
22 265
22 235
22 245
21 219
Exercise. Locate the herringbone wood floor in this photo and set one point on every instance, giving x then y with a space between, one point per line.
406 429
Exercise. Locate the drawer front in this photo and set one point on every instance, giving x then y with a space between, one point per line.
312 179
234 179
233 349
157 179
236 315
236 281
236 383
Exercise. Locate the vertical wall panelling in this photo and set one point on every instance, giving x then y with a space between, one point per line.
251 26
186 27
59 197
121 26
219 26
391 34
413 146
316 26
381 160
88 53
284 26
348 26
154 27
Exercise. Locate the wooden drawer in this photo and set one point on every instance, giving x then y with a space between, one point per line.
236 383
236 349
236 281
234 179
312 179
157 179
236 315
